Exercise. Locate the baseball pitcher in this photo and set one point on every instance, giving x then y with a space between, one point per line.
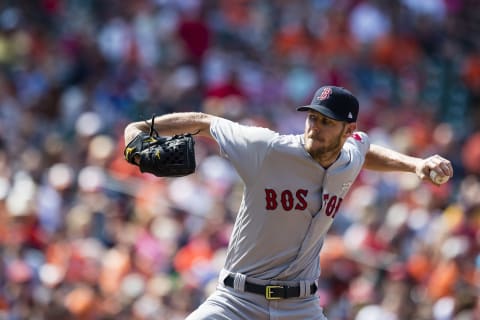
294 186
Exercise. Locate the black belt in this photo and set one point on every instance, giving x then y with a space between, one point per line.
271 292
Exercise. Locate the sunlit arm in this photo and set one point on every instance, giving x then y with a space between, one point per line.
379 158
383 159
171 124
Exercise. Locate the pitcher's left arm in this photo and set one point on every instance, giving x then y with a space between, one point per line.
384 159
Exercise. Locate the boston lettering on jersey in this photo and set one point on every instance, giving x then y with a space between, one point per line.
331 204
290 200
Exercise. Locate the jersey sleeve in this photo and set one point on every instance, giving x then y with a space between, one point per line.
360 141
245 146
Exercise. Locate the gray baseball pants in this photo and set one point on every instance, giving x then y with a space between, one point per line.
233 304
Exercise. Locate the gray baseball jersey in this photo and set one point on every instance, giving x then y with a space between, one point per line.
289 200
288 205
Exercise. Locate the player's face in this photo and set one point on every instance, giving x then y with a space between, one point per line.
324 137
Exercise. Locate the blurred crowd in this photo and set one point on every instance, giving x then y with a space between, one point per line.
84 235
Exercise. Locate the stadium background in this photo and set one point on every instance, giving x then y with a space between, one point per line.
84 236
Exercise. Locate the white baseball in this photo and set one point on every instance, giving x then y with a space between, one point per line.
438 179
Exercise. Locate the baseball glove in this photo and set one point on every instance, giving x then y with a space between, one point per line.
162 156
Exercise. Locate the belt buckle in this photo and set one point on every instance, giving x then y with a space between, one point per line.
269 291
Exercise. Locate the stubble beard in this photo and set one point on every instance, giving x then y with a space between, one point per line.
328 152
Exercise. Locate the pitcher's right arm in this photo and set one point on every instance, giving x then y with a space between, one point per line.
172 124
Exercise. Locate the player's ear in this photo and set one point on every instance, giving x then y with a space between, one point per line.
351 127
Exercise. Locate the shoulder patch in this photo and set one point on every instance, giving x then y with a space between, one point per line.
357 137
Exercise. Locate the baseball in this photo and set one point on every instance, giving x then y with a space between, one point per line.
438 179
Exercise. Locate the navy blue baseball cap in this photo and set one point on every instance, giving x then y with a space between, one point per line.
334 102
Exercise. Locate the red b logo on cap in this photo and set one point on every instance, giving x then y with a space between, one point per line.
325 94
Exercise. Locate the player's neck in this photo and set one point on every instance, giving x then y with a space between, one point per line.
328 158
